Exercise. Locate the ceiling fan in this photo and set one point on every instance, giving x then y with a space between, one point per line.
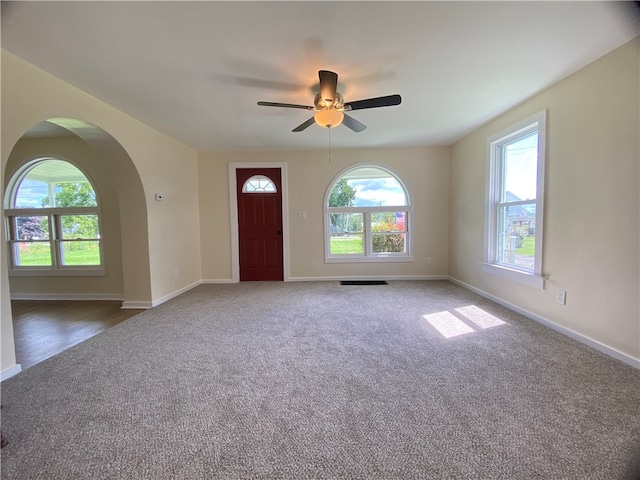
330 106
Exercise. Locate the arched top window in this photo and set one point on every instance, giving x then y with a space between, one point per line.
259 184
54 222
52 183
367 217
367 186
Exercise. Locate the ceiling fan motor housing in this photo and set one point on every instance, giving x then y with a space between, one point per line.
323 104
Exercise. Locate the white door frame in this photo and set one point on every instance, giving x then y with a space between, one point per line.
233 208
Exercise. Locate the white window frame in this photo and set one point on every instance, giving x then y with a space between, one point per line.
491 265
368 255
55 240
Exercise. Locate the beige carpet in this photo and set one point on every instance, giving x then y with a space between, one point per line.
317 380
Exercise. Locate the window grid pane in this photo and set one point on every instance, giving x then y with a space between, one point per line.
347 233
31 227
516 235
32 254
352 244
76 194
388 242
388 232
79 252
346 223
79 227
31 194
519 168
389 222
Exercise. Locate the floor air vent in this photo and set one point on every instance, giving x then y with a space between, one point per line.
363 282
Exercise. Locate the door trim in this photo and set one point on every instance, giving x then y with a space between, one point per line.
233 215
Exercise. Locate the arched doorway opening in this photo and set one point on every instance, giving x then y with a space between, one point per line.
126 270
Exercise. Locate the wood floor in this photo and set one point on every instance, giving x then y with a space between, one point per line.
43 328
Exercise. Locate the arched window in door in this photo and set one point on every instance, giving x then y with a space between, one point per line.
259 184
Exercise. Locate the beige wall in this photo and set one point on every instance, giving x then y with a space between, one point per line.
161 240
164 165
83 155
424 171
7 345
591 227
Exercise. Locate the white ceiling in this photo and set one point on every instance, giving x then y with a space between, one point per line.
195 70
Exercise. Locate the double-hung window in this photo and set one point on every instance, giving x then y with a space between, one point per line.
515 192
53 221
367 217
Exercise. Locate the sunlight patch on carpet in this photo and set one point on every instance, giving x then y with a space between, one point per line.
447 324
478 316
452 323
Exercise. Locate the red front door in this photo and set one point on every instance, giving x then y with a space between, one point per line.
259 224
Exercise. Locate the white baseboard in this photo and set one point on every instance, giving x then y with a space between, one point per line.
166 298
126 304
368 277
136 305
10 372
145 305
612 352
219 280
66 296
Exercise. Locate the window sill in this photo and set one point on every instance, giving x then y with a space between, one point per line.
50 272
354 259
531 279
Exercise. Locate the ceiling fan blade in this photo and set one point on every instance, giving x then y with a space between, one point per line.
328 84
352 123
387 101
284 105
304 125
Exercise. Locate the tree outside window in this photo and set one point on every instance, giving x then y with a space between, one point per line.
367 216
53 218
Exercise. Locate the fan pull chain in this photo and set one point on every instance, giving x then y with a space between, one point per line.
329 128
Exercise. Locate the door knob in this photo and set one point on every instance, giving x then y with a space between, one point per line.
279 232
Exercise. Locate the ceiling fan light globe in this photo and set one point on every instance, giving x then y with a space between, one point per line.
329 118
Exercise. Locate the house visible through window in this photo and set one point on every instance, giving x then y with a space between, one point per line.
514 206
53 219
367 215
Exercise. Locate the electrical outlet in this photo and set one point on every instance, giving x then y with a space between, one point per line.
428 260
302 215
561 297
